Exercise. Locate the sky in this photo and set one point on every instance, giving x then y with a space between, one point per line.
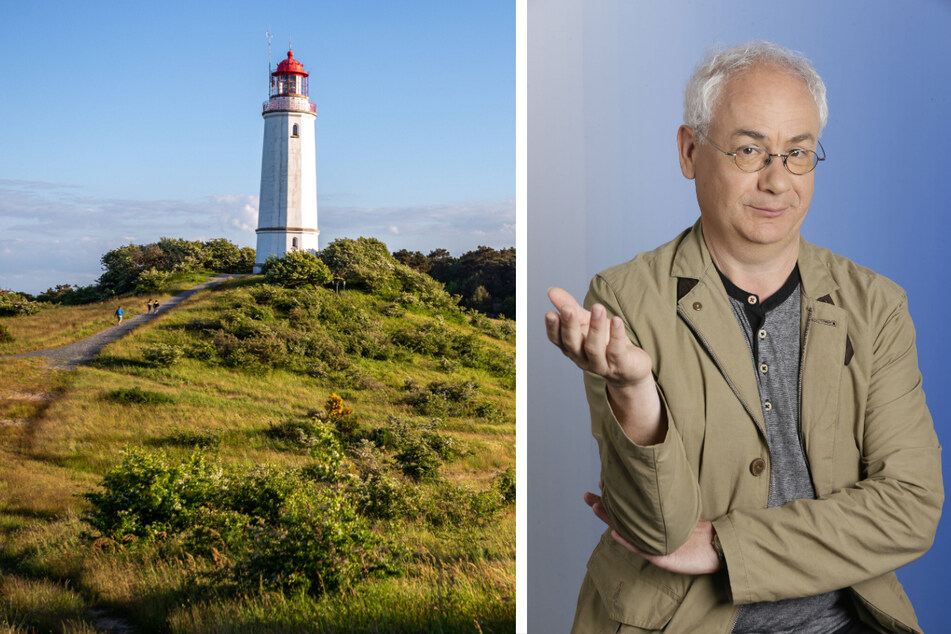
126 122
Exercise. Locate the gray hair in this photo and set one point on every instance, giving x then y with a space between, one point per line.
709 77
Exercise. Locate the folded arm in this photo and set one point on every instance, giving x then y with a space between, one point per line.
881 523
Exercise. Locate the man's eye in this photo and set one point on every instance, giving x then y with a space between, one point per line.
749 150
796 153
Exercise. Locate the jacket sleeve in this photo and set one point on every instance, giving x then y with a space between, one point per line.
881 523
650 493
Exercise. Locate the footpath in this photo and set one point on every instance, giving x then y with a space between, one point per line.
85 350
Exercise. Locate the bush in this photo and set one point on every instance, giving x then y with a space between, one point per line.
145 494
319 544
319 438
418 460
504 483
14 304
382 496
138 396
191 438
163 355
151 281
450 505
440 398
5 336
296 268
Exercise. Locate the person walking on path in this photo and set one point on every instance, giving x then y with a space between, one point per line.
149 307
155 306
119 313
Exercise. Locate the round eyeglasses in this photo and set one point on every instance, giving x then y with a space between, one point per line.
753 158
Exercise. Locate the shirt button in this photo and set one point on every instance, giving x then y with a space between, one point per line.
762 334
767 406
757 467
752 299
697 305
763 368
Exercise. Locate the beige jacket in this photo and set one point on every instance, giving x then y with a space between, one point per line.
867 433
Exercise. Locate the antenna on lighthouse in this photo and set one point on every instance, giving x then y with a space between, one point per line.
269 35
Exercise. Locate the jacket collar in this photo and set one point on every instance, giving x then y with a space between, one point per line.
692 261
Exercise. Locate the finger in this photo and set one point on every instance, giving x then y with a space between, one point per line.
597 507
591 498
631 547
572 338
596 341
553 327
560 298
616 349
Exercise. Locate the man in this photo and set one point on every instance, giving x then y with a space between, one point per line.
118 315
767 456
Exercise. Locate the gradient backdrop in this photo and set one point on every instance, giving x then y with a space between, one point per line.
605 84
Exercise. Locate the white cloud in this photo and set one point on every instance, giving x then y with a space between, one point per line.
58 235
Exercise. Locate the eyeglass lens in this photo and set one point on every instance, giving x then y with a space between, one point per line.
752 159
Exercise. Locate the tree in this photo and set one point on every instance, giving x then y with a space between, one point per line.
413 259
296 268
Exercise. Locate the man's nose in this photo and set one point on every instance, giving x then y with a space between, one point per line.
775 178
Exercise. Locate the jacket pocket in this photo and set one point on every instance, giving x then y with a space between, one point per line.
633 591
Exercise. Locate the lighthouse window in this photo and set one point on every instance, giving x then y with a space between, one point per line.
295 132
294 240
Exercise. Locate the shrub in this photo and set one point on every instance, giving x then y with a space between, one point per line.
448 365
504 483
382 496
440 398
163 355
319 438
450 505
320 544
5 335
340 416
191 438
145 494
151 281
418 460
296 268
263 491
138 396
13 304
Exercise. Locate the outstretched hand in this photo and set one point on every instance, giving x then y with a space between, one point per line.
696 557
594 342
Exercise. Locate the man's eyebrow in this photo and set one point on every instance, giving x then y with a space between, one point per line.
753 134
759 136
802 137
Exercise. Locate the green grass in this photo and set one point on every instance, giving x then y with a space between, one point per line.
451 578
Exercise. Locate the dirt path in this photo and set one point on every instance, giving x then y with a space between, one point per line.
84 350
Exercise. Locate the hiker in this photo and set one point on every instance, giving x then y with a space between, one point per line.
149 307
155 306
118 314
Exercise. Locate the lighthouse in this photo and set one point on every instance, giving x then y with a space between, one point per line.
287 212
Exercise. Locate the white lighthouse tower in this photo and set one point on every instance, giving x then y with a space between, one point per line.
287 214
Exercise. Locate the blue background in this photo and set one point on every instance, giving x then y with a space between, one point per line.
605 86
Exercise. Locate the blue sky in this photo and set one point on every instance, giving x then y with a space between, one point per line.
131 121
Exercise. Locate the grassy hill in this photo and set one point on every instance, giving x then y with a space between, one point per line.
263 459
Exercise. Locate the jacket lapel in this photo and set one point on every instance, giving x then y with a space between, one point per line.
706 309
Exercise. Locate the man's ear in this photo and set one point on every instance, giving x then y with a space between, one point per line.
687 146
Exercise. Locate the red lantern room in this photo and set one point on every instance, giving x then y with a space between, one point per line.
290 78
289 89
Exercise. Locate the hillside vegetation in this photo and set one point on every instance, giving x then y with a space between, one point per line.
269 459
